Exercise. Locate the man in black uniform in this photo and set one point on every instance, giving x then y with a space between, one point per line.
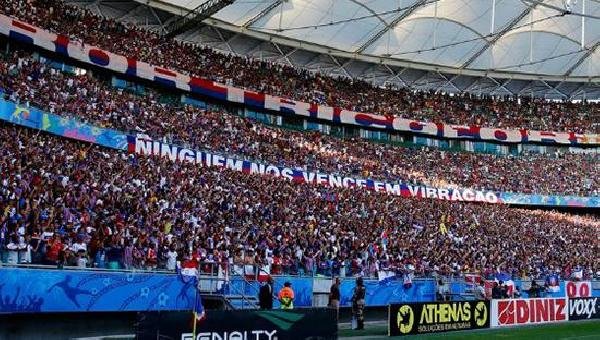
534 291
497 291
334 296
358 304
265 295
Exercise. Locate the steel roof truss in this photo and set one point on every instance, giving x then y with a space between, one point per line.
498 35
391 25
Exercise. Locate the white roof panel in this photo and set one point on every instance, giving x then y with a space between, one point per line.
527 36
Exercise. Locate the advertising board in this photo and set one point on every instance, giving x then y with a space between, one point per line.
578 289
437 317
528 311
302 323
584 308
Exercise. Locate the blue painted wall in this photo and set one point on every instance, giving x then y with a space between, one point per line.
30 290
379 293
303 289
382 293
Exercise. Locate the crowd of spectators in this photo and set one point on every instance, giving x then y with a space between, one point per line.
277 79
29 81
71 203
65 202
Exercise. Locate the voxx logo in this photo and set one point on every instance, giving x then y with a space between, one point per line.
584 308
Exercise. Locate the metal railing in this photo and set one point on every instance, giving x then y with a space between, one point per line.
254 272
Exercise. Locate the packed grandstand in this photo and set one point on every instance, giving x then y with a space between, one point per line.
70 201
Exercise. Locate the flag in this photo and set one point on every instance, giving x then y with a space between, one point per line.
471 281
415 126
254 99
503 276
98 57
131 67
61 44
165 77
462 131
365 119
386 276
506 279
198 311
22 32
407 280
577 273
553 283
547 136
287 106
208 88
189 275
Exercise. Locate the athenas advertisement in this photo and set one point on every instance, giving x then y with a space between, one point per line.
434 317
306 323
584 308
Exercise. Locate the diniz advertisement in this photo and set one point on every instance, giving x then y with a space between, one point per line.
529 311
437 317
584 308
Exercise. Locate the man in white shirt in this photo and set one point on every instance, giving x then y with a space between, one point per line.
82 259
443 291
171 259
13 251
25 249
479 291
79 245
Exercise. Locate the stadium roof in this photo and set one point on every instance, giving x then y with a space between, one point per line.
492 46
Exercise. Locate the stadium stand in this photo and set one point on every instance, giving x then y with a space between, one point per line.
65 200
276 79
28 81
178 191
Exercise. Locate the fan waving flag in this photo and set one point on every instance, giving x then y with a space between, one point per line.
506 279
189 275
577 273
199 312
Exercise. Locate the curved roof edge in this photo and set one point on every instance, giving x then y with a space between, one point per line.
321 49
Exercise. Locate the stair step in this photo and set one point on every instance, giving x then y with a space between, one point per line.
241 297
239 304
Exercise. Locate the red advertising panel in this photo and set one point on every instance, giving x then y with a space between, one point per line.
580 289
528 311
